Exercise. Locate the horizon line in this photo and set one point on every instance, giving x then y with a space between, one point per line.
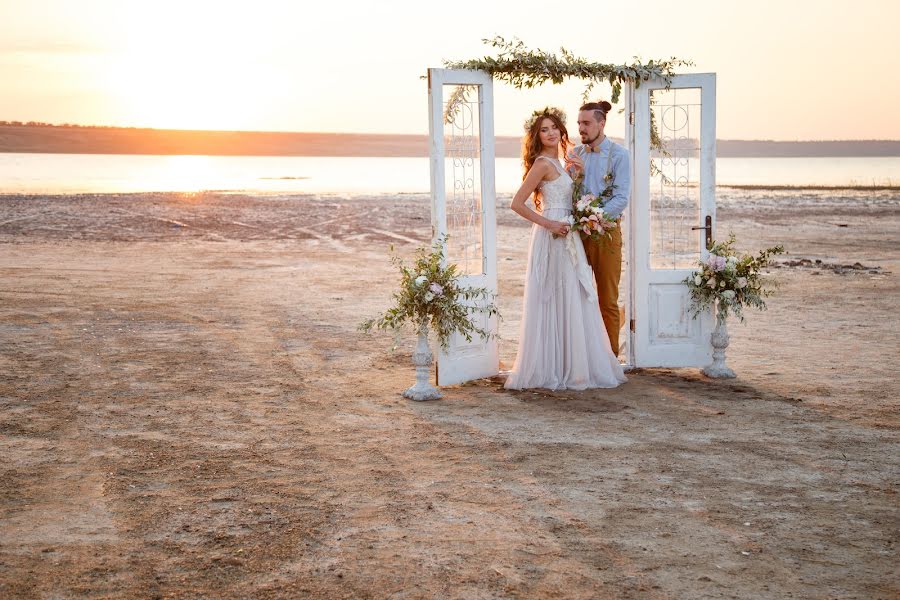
40 124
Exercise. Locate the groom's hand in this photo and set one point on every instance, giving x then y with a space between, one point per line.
574 163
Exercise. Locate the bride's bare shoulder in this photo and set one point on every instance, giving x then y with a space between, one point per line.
542 165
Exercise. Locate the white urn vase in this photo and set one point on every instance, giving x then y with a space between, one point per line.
422 357
718 369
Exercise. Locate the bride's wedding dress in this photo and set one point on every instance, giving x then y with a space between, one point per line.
562 344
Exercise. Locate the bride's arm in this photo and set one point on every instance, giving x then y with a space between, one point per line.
537 173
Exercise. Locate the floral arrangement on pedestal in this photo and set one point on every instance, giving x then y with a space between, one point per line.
729 281
431 298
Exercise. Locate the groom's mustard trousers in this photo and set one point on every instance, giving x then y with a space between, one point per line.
605 258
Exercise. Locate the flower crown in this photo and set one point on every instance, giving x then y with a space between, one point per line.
547 111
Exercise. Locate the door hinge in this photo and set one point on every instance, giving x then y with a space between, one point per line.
631 325
631 117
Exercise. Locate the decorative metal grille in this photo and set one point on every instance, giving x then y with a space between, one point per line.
462 144
674 180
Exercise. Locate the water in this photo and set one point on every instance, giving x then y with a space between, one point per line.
104 173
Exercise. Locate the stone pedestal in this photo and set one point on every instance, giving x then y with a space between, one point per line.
422 357
718 369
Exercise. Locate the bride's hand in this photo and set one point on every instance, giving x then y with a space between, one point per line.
574 163
558 228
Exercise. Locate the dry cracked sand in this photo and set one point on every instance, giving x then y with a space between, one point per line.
189 411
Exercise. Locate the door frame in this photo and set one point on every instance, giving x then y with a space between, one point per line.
697 351
464 361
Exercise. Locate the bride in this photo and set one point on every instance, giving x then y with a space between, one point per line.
562 344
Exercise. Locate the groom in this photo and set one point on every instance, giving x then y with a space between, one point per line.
601 157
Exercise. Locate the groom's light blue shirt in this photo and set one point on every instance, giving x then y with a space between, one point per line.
597 164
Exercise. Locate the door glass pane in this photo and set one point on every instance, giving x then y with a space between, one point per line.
462 168
675 179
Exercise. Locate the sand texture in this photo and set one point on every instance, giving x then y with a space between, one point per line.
187 410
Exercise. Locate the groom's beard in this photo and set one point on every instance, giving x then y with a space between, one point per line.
585 140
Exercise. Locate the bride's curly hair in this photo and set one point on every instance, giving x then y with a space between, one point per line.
531 143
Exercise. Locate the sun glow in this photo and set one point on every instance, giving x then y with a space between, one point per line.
355 66
201 70
184 173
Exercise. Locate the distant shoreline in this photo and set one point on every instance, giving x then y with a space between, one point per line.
6 195
59 139
811 188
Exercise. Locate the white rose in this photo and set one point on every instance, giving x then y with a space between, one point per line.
711 283
429 296
721 284
741 282
421 279
698 280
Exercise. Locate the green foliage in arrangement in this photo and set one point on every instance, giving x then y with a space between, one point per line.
730 280
430 295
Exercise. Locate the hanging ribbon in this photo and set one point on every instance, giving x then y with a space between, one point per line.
582 270
542 271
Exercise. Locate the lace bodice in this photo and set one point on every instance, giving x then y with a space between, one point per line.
557 194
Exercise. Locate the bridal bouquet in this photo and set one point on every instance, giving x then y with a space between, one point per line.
430 294
730 280
587 210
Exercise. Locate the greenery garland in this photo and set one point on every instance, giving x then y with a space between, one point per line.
522 67
525 68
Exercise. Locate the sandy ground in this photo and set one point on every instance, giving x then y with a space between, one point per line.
187 410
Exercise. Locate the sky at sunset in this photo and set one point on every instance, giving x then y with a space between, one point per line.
787 70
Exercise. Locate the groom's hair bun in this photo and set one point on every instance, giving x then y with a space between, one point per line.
598 107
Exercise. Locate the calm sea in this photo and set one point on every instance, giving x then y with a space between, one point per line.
102 173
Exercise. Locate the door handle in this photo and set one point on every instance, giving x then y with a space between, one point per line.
708 228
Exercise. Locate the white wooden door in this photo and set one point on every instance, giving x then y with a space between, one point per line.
463 200
673 203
